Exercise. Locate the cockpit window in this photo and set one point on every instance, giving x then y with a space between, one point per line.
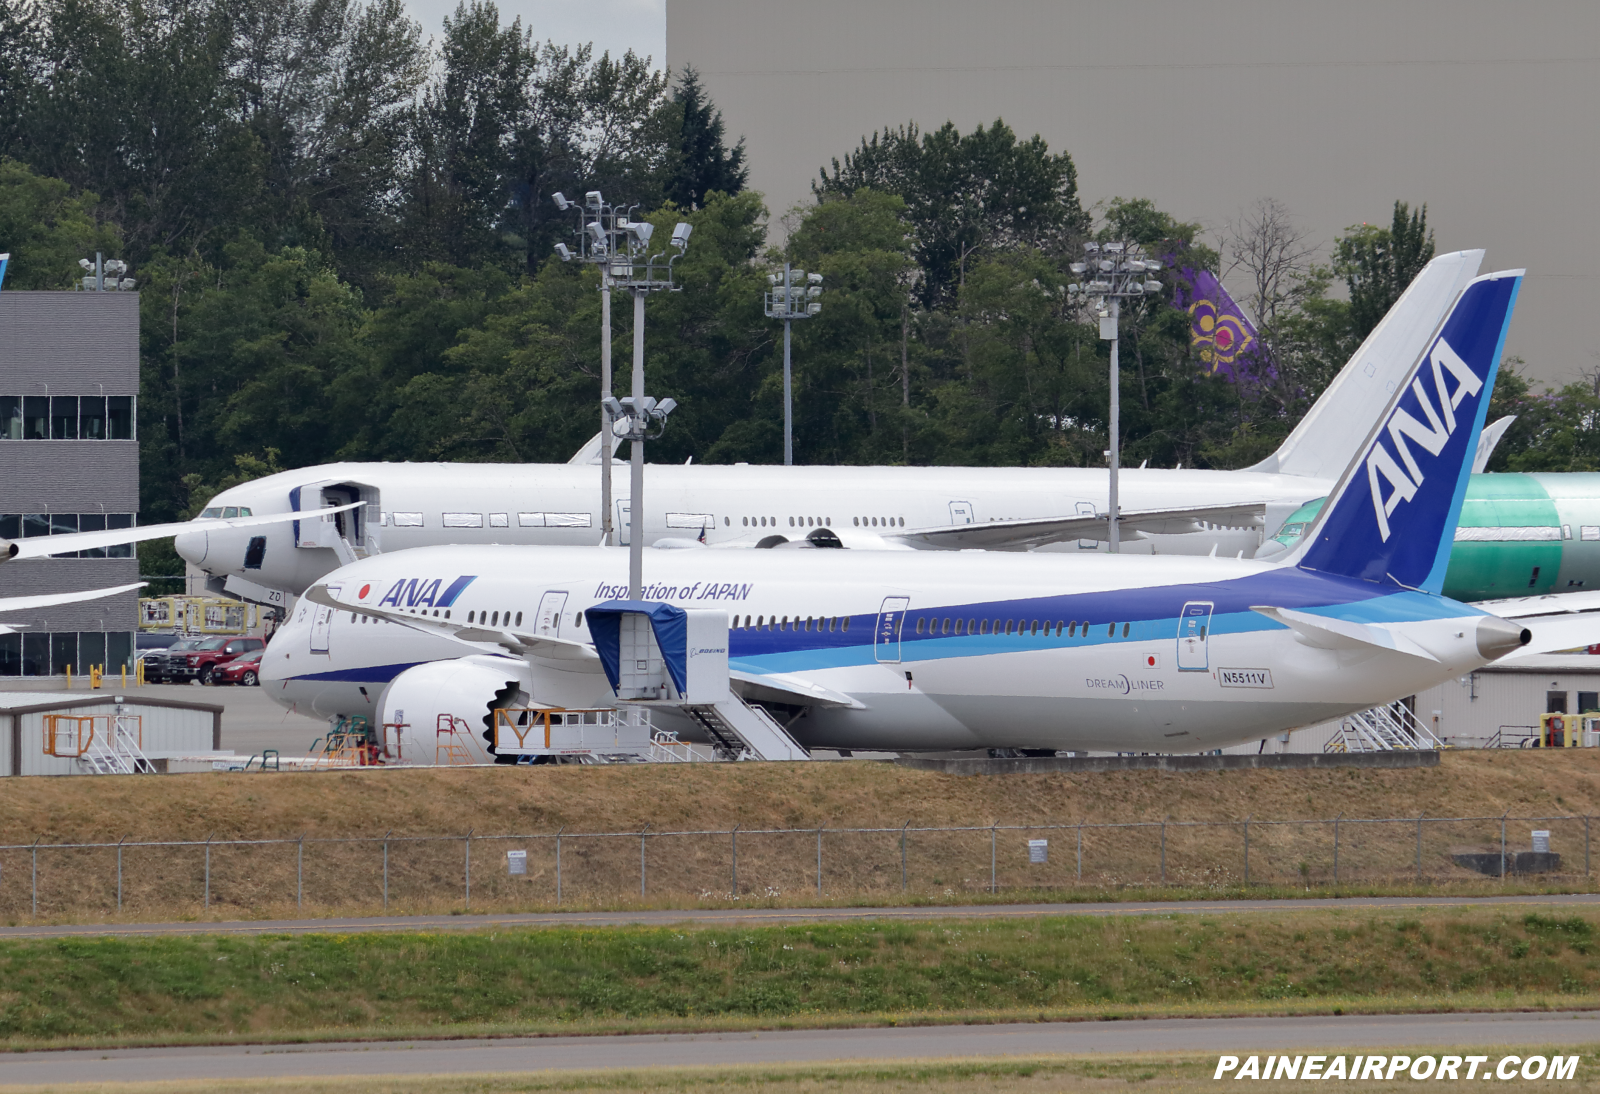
230 511
214 511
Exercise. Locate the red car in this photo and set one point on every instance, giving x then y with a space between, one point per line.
244 670
202 662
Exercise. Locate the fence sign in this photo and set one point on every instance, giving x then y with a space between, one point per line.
1541 842
517 862
1038 851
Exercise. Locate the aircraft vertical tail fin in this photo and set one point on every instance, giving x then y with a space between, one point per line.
1324 442
1392 518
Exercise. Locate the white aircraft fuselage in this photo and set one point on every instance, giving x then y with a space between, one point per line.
1031 651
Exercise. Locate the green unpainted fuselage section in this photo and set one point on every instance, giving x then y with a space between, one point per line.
1520 535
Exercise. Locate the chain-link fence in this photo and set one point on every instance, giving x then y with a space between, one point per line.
542 869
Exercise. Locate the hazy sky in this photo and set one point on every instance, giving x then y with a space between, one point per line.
615 25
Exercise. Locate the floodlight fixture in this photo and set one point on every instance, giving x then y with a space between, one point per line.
666 406
85 263
1078 267
564 251
1091 248
1152 286
815 279
597 232
680 235
593 199
772 279
561 201
640 232
814 309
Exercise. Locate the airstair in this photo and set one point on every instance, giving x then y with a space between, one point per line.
660 655
1392 728
744 731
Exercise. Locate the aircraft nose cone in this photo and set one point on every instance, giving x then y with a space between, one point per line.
192 546
1497 637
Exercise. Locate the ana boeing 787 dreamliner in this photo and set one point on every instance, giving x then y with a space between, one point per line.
868 649
952 508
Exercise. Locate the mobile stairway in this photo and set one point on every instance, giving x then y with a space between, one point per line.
660 655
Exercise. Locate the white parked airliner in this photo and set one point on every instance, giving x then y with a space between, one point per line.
872 649
1174 511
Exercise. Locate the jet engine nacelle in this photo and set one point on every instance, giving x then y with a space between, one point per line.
8 550
439 703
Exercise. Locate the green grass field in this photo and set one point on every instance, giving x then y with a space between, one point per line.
231 988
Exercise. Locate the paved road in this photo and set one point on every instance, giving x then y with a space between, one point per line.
1349 1033
757 916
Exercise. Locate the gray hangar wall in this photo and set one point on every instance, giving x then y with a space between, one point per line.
1483 110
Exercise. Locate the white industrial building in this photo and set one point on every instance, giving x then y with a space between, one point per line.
166 729
1482 109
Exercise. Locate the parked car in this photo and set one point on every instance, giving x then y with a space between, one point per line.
201 663
160 664
244 670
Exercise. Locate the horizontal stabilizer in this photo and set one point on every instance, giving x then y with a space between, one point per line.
1024 535
1341 634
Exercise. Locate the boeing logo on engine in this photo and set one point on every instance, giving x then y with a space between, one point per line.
1407 480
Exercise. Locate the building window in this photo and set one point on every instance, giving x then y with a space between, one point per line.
1555 702
66 418
29 525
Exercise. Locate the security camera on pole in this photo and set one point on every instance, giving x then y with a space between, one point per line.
622 247
1117 272
795 297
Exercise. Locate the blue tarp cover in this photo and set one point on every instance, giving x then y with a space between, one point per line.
671 627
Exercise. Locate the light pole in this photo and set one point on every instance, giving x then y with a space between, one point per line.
795 297
622 246
595 208
1117 272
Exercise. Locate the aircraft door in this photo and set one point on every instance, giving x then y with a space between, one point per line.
1194 626
550 606
322 624
624 522
886 639
961 512
1086 509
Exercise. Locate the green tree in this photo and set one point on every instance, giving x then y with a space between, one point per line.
702 160
47 229
1377 264
966 195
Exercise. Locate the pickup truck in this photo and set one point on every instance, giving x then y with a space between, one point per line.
201 662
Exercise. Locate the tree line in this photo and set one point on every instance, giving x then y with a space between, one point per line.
342 234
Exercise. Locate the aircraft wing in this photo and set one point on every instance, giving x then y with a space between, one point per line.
782 688
44 546
572 654
1023 535
1558 621
50 600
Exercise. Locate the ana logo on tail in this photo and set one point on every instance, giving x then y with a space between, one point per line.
1381 464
